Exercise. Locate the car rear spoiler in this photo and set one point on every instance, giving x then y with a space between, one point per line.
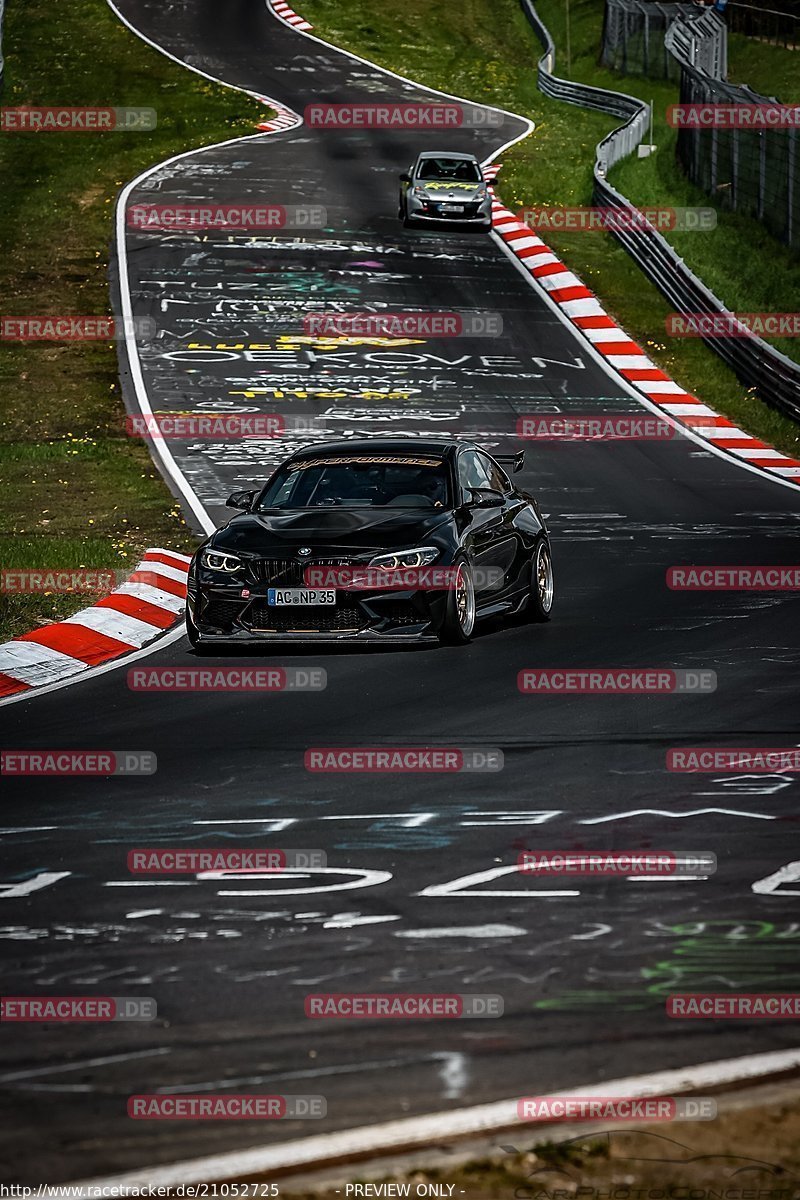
517 460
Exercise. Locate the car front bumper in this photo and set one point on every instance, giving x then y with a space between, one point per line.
480 214
308 638
221 614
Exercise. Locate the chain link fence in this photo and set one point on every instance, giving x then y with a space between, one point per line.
779 26
633 38
774 376
753 172
634 30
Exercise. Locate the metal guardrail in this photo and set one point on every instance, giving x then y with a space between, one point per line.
701 42
775 378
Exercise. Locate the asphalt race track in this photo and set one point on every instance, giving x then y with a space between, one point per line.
583 975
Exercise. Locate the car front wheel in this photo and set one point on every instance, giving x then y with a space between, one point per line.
540 603
459 620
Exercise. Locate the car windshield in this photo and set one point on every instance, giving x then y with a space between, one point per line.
461 169
358 481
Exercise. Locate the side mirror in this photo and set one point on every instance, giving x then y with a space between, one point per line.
242 500
485 498
405 177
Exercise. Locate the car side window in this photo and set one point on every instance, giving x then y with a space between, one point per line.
472 472
283 492
498 480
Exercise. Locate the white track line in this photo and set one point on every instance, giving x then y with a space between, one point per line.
417 1132
158 447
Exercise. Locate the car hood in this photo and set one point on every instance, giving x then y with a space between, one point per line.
328 531
449 189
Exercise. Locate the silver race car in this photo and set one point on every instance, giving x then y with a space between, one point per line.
445 186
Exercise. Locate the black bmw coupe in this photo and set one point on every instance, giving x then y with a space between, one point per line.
381 540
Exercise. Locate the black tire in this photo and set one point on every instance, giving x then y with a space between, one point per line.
459 619
540 601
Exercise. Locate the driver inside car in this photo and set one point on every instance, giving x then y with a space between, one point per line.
431 485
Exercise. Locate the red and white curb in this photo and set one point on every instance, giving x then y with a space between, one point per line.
150 602
284 119
612 343
287 14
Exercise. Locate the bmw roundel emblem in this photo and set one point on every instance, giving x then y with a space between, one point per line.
305 551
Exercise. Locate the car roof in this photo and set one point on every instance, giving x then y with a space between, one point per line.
447 154
381 446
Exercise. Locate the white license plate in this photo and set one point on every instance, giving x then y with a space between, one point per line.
278 596
454 208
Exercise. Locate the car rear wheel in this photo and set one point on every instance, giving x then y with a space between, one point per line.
540 604
459 620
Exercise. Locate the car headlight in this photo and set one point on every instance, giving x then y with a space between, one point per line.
215 560
418 557
418 191
482 194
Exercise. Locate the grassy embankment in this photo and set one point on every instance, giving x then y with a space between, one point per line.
74 489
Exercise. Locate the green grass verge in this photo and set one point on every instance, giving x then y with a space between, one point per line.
486 50
74 490
770 70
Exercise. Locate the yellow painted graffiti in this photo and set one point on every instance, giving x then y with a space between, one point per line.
279 393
